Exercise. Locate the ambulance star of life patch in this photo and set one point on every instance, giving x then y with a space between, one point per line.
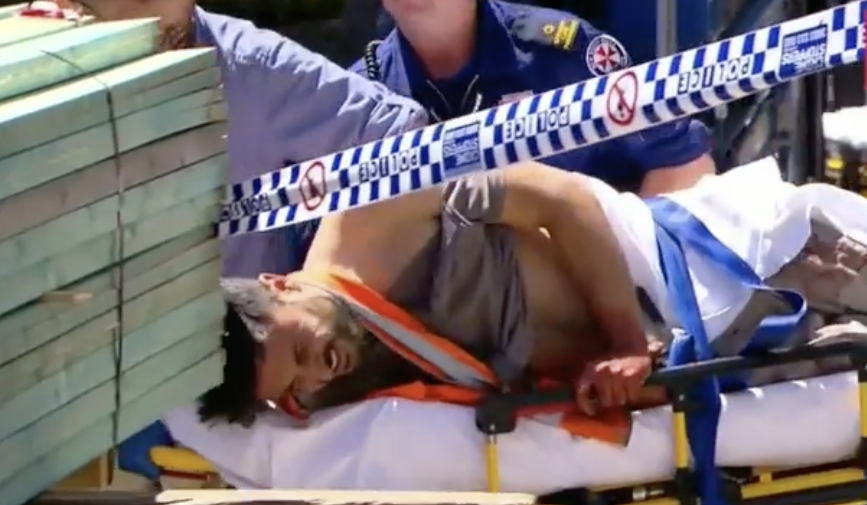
605 55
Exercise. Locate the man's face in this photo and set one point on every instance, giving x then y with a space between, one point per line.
303 352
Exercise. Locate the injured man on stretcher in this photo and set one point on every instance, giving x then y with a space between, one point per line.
510 278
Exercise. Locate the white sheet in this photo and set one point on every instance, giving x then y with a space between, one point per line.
401 445
763 219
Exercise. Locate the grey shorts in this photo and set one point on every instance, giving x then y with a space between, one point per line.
477 295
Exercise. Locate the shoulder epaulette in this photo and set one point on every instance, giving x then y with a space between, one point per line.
547 27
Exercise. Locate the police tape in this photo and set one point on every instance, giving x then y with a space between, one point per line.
549 123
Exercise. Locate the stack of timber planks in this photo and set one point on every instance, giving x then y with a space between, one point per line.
112 166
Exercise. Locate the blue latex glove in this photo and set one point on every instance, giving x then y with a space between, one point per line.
133 454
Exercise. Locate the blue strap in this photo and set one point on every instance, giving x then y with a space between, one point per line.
689 347
675 227
774 331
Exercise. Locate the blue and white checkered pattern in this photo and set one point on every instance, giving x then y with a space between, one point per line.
550 123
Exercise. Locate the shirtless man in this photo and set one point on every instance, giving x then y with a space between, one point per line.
518 266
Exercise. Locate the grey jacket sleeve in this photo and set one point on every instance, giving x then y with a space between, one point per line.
320 108
287 105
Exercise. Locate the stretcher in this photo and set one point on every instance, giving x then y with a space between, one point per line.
771 448
817 457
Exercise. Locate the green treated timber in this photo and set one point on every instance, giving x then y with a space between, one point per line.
31 354
64 56
149 81
202 80
134 130
55 120
28 369
85 374
196 109
86 102
39 322
91 221
100 253
73 191
99 437
52 430
14 30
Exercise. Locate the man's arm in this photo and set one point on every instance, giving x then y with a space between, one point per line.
312 104
305 106
673 156
326 108
668 179
530 196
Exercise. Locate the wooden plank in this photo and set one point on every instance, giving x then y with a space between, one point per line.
189 215
288 497
148 81
35 119
93 476
68 55
42 117
325 497
91 221
14 30
32 367
38 322
208 78
65 194
83 375
52 430
97 439
100 253
191 111
59 426
55 159
134 130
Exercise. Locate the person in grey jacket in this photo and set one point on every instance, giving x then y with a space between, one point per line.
286 105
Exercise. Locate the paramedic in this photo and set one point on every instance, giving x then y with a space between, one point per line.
459 56
286 104
513 297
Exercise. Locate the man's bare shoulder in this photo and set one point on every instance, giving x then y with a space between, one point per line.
368 247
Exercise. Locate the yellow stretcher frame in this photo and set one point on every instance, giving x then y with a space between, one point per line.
841 483
846 167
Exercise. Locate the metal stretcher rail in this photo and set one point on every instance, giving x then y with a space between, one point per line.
837 485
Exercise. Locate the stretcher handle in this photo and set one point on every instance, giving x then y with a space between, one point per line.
498 413
678 377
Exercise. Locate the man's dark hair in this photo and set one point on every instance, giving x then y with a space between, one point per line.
234 400
248 305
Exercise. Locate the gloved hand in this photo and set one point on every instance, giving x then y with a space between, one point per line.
133 454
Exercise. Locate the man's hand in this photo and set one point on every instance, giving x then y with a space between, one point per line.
613 382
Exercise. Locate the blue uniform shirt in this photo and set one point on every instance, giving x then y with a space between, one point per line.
522 50
287 105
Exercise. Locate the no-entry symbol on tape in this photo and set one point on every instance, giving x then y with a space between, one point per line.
312 186
622 98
